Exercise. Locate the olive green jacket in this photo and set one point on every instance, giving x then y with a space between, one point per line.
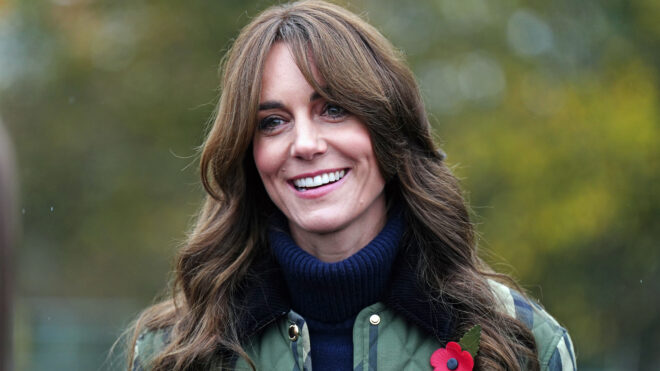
383 340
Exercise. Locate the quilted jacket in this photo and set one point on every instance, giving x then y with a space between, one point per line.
399 333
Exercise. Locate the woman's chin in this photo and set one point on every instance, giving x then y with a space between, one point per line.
320 226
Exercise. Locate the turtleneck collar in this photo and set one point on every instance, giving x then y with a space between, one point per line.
335 292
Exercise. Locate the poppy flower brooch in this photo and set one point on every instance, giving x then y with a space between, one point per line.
458 356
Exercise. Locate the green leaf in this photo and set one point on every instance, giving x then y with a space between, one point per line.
470 341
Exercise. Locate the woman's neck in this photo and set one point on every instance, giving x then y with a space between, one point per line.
335 246
335 292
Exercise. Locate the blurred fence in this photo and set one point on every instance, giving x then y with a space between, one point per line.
71 333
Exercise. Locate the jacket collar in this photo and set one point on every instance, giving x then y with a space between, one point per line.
267 299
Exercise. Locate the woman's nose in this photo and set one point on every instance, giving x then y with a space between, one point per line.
308 142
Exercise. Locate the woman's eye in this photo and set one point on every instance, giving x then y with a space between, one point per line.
270 123
334 111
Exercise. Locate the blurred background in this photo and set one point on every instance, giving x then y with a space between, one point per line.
548 111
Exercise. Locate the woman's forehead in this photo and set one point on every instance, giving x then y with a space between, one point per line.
281 68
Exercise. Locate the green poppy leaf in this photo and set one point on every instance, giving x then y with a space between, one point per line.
470 341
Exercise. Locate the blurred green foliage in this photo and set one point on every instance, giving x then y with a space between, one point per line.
549 112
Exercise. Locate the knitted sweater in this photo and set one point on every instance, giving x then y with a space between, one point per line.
330 295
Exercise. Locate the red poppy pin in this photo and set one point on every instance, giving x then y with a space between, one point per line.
458 356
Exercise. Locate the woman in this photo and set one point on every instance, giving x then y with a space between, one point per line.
7 238
333 234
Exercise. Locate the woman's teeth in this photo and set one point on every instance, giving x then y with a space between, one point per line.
319 180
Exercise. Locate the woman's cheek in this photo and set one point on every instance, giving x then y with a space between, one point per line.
266 156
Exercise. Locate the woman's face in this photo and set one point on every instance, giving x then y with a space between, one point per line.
315 159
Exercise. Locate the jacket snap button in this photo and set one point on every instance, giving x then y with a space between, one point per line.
374 319
294 332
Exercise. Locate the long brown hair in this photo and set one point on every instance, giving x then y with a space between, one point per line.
368 77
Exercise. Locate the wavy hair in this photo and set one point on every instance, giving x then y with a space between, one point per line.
367 76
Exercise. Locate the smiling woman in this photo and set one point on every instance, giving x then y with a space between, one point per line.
316 162
333 235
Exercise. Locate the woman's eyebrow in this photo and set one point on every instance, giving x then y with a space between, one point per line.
271 104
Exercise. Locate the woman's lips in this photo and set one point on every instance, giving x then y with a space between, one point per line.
305 183
320 183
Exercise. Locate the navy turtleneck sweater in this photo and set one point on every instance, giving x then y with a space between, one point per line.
330 295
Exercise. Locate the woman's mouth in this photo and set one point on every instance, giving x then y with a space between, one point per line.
303 184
